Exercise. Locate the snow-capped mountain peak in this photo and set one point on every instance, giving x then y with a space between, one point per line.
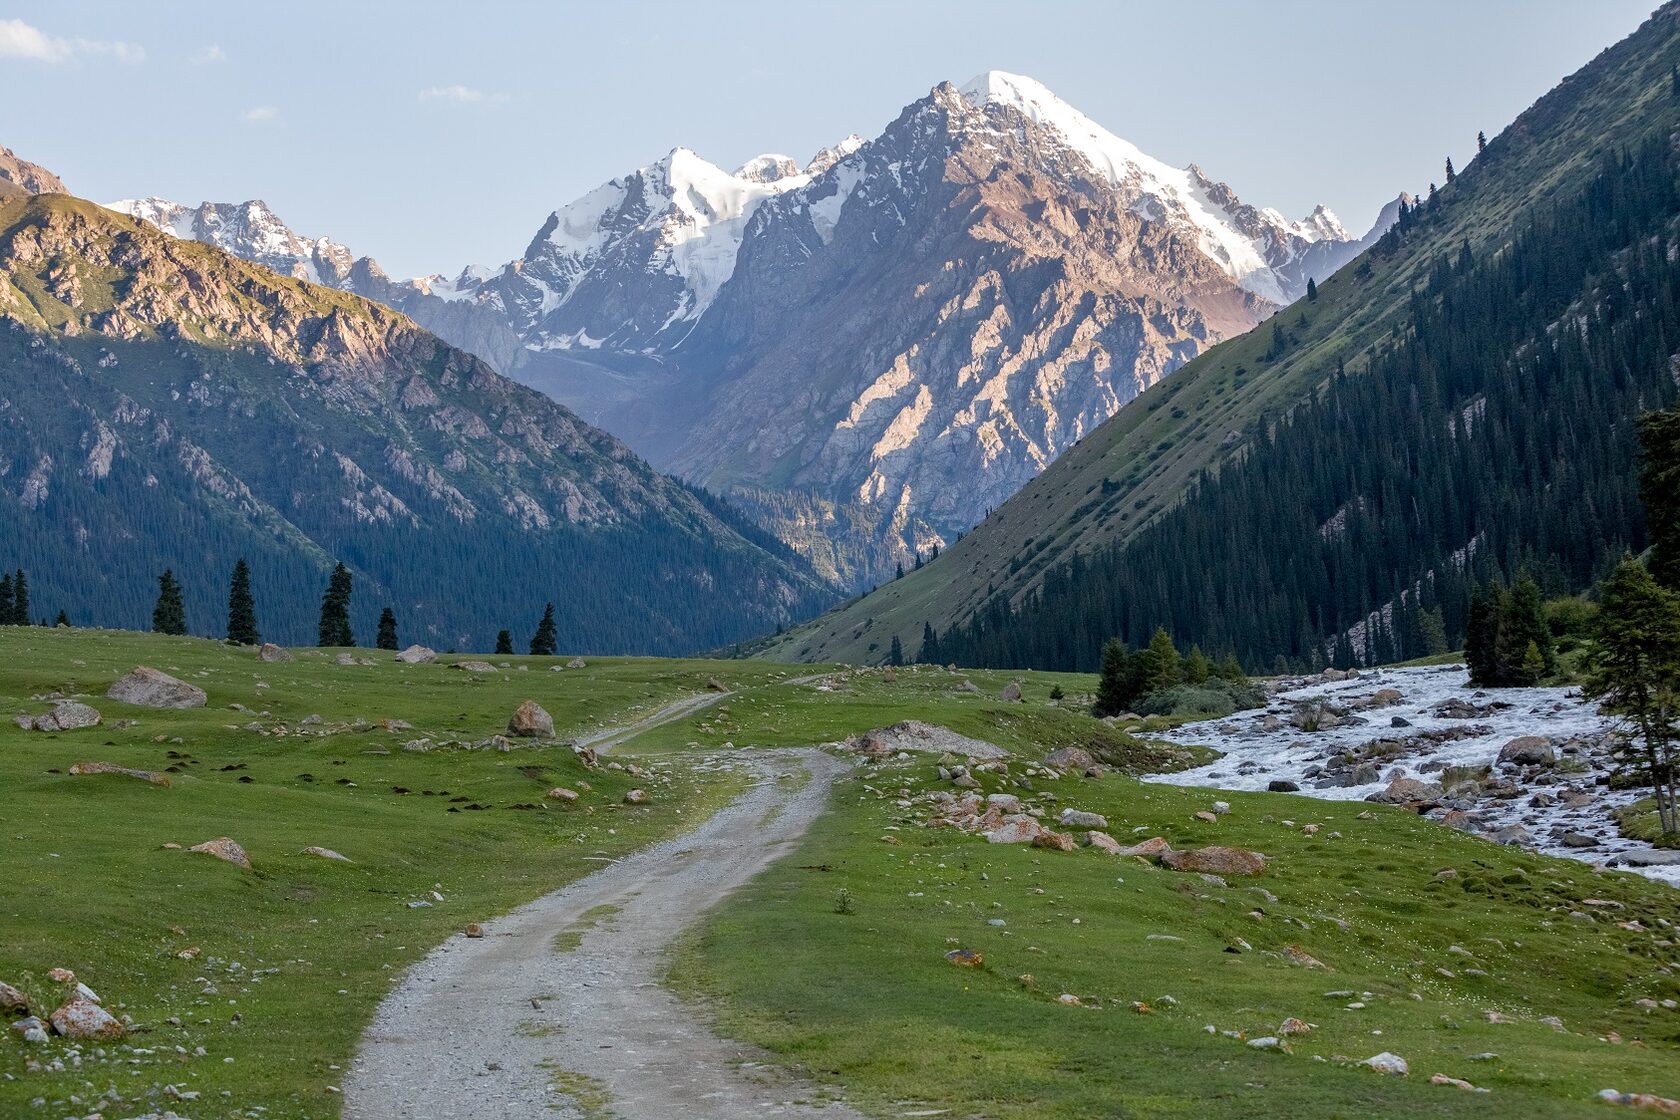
833 154
246 229
767 168
1251 245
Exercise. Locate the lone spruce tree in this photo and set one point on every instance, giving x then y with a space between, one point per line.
1116 687
335 610
169 616
1162 668
504 642
242 610
545 642
387 638
895 656
1633 670
6 599
20 599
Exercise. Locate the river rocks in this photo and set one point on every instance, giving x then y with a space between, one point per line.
272 652
1409 791
224 848
1282 785
1056 841
1315 715
1103 842
1215 860
1527 750
1011 692
1381 698
1510 834
1573 839
1392 1064
635 797
562 794
326 853
84 1019
966 958
474 666
1074 818
147 688
1648 857
1074 759
154 778
529 721
417 655
69 715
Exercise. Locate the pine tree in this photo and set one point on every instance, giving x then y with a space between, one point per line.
1527 626
1481 640
1197 668
242 609
168 615
1633 669
7 615
1481 142
1115 689
1162 668
899 573
1432 631
929 653
62 620
335 610
1312 289
1659 491
1229 669
504 642
1451 174
20 598
387 638
545 642
896 655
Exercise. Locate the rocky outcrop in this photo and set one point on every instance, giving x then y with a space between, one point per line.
69 715
26 177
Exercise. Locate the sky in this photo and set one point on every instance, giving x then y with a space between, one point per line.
436 135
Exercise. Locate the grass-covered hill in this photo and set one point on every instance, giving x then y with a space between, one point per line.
1494 350
166 405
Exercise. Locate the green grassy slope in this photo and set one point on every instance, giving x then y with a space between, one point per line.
1136 466
865 1000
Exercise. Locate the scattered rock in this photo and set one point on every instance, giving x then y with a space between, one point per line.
61 976
123 771
561 793
81 1018
1070 759
1011 692
224 848
417 655
1527 750
1579 840
714 685
67 716
1206 816
1280 785
1268 1042
12 1001
1057 841
1455 1082
272 652
966 958
1103 842
326 853
1409 791
1391 1064
1215 860
32 1030
1153 848
147 688
1074 818
1016 828
1647 857
531 722
1293 1025
635 797
474 666
1644 1101
575 663
474 930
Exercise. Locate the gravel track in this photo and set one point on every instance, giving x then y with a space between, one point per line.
483 1028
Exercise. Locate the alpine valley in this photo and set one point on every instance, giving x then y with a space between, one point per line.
868 351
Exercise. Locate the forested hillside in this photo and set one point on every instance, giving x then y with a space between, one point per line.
1454 405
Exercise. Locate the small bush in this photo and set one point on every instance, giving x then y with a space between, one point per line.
1213 697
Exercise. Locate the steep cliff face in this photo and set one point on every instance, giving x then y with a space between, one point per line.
19 176
172 397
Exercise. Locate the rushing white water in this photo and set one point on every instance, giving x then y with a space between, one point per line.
1253 756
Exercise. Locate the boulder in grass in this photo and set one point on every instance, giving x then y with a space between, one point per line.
151 776
326 853
1392 1064
69 715
148 688
1076 759
575 663
635 797
1055 841
1103 842
1153 848
1216 859
417 655
474 666
12 1001
1075 818
966 958
562 794
1011 692
529 721
224 848
1016 828
272 652
82 1018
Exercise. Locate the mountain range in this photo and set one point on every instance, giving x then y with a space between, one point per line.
869 350
169 405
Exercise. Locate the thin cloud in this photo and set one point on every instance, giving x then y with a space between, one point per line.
19 40
461 95
260 114
206 55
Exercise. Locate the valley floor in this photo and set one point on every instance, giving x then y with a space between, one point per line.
1107 985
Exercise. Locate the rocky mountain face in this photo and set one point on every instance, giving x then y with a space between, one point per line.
872 349
19 176
170 405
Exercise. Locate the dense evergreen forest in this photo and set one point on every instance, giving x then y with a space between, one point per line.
1494 433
